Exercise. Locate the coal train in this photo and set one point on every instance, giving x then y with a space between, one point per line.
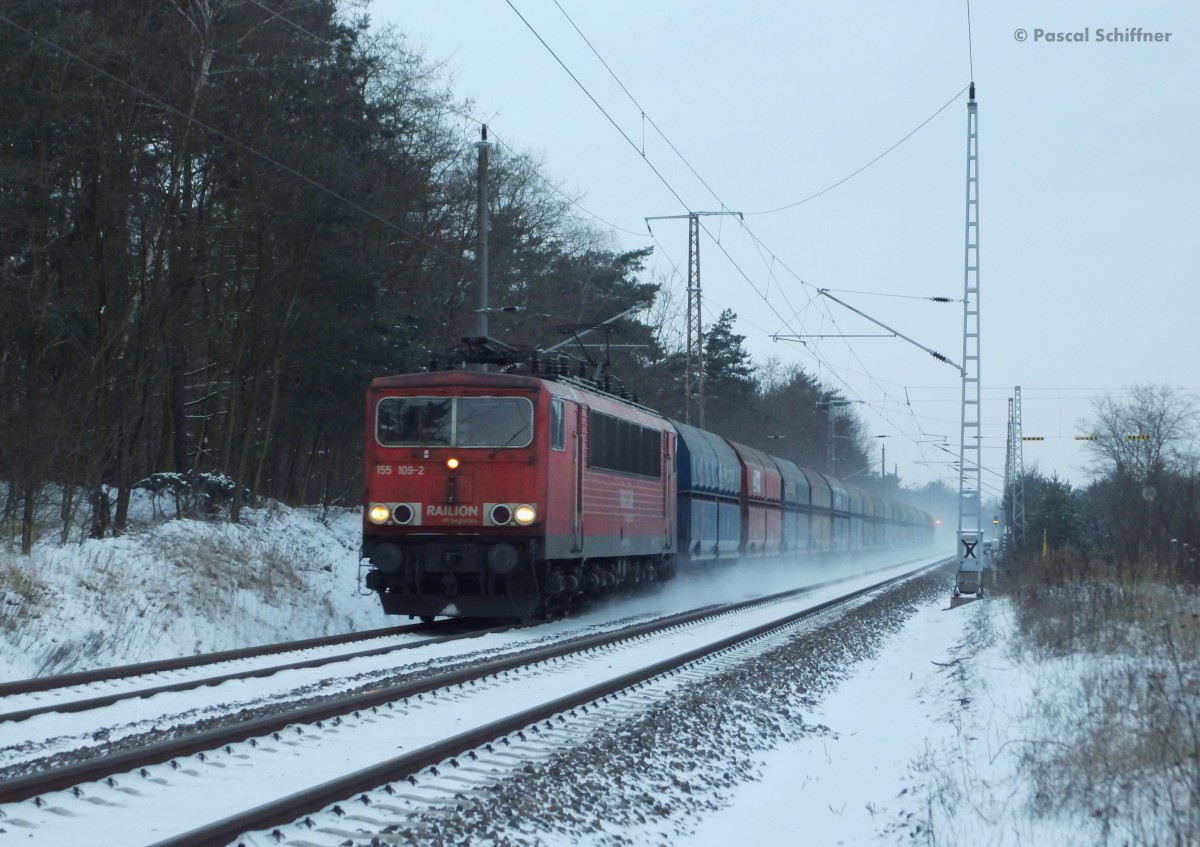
506 495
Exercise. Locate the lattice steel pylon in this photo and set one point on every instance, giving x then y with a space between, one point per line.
971 564
1008 447
694 361
1008 465
1016 488
694 372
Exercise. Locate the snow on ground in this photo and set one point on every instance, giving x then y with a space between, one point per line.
180 587
924 747
920 742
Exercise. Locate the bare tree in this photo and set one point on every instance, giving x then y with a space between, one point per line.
1144 455
1151 431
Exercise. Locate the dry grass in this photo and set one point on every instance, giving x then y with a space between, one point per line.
1127 726
221 583
20 591
215 569
17 582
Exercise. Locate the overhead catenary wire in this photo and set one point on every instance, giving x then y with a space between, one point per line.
507 146
934 299
764 295
645 117
851 176
596 103
474 119
688 164
970 44
675 149
641 151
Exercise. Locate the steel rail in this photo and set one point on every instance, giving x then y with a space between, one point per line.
31 785
49 683
295 806
102 700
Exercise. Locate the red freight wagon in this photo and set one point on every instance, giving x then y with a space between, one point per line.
492 494
762 494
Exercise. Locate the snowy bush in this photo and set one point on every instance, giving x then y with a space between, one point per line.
191 494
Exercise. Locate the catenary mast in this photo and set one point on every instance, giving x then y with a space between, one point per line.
1014 488
969 579
694 363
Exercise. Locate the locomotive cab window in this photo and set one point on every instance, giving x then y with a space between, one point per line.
493 422
454 422
414 420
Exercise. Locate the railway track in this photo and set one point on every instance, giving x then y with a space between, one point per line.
87 690
265 767
90 677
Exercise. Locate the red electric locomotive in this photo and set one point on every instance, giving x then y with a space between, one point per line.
494 494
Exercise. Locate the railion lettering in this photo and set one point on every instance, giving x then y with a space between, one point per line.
452 511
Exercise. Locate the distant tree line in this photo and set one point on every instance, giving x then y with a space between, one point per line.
219 220
1144 500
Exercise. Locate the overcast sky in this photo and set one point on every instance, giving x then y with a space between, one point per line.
1087 169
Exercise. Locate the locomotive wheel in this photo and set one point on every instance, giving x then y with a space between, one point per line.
427 619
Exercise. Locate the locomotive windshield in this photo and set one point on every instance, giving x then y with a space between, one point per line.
454 422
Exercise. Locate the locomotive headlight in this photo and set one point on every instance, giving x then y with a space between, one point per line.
452 463
379 513
524 514
501 514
